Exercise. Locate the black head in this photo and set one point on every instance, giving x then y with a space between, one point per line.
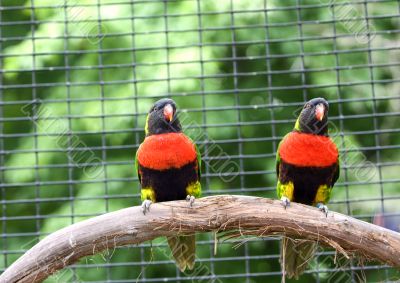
313 118
162 118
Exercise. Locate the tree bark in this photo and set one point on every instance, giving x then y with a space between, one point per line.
241 215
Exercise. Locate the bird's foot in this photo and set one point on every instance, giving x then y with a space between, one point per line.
323 208
285 202
146 206
190 199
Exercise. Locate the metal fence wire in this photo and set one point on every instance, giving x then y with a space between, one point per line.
78 77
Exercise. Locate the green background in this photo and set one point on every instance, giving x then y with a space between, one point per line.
239 73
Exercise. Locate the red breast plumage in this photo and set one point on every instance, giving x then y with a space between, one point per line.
166 151
308 150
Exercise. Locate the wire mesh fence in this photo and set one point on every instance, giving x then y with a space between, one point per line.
78 77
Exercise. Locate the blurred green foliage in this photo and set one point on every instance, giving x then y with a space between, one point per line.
95 71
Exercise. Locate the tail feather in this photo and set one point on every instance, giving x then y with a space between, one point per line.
183 250
295 256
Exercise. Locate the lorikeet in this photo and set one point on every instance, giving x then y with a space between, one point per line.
168 165
307 166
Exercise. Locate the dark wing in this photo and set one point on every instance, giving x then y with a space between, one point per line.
137 166
198 161
198 154
278 157
336 174
277 164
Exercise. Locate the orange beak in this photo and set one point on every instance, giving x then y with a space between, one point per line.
168 112
319 112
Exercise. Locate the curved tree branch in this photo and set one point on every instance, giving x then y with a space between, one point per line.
243 214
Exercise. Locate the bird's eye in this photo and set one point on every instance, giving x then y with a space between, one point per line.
307 106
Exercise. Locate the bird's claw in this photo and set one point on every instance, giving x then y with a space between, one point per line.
190 199
285 202
323 208
146 206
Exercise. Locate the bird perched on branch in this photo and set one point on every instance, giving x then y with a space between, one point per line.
307 166
168 166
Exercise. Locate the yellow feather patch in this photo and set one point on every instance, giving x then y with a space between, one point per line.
297 125
194 189
146 126
285 190
148 193
323 194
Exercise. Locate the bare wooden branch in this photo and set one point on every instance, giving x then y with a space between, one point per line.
243 214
